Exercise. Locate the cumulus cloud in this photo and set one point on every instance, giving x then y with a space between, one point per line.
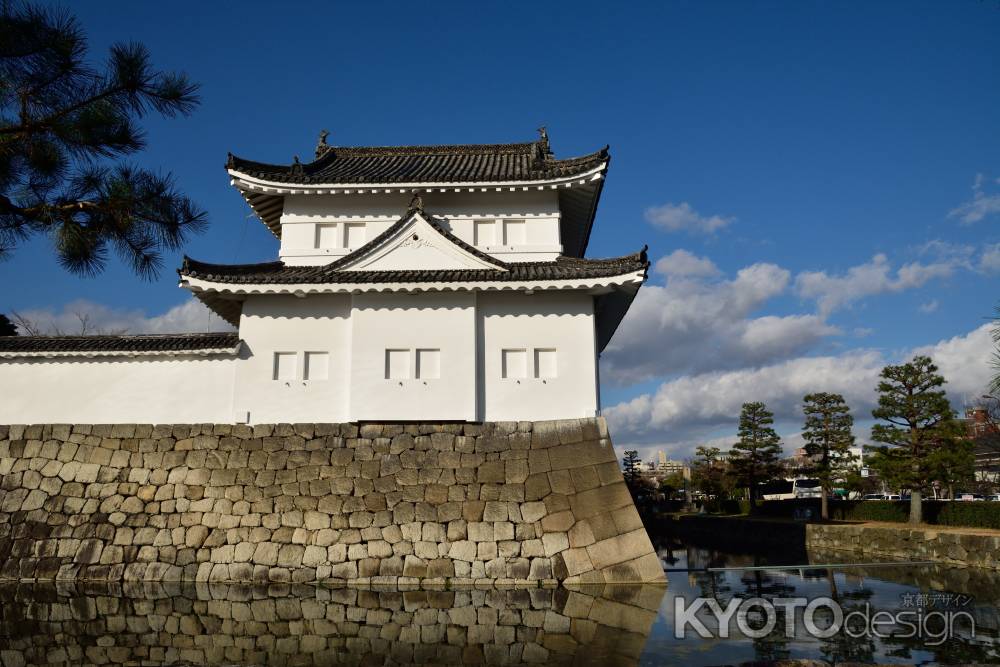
190 316
983 203
693 325
683 264
832 292
684 412
683 218
929 307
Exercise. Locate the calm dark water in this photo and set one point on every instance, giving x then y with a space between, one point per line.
867 589
150 624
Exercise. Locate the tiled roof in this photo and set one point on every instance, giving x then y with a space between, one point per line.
478 163
277 273
158 343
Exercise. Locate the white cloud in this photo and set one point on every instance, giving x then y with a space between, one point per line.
929 307
190 316
964 361
691 410
981 205
692 325
989 260
682 217
683 264
832 292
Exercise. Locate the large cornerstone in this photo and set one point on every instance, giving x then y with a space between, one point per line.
521 503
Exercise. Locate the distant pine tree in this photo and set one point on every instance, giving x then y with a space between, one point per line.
919 421
755 458
61 120
828 438
630 468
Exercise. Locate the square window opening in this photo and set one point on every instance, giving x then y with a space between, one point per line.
354 235
428 364
284 366
326 236
514 232
485 233
317 366
514 364
397 364
545 363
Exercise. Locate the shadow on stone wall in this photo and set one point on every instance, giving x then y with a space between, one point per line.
202 624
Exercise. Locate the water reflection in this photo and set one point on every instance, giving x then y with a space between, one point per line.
869 588
160 624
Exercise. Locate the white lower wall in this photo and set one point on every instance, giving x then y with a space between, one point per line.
469 331
543 321
288 324
115 391
445 322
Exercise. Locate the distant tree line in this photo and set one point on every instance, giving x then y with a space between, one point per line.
920 444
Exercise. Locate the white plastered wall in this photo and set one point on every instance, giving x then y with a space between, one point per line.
117 390
538 240
561 322
406 323
316 324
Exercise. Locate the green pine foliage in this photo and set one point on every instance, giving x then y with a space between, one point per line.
755 457
918 421
828 439
630 467
65 125
7 327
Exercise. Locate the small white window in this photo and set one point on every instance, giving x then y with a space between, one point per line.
284 366
354 235
514 232
317 366
486 233
515 364
397 364
326 236
428 364
545 363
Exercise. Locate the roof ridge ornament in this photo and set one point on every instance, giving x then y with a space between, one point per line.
416 202
297 166
542 150
321 146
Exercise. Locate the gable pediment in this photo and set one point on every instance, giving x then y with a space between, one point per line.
416 244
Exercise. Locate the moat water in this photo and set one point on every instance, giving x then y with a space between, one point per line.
157 624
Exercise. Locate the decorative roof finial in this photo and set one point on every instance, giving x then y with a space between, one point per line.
543 134
321 145
296 166
230 160
416 202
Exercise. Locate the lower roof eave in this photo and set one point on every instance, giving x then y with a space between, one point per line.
596 285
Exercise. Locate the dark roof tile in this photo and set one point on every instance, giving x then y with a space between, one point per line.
476 163
151 343
277 273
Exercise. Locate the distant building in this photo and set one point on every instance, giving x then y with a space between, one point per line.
985 434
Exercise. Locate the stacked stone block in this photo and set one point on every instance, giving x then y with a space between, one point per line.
511 503
217 624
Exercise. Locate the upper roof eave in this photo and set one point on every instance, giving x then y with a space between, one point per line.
243 181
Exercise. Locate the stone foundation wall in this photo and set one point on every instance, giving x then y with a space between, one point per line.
511 503
973 547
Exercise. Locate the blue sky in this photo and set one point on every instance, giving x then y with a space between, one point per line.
820 147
